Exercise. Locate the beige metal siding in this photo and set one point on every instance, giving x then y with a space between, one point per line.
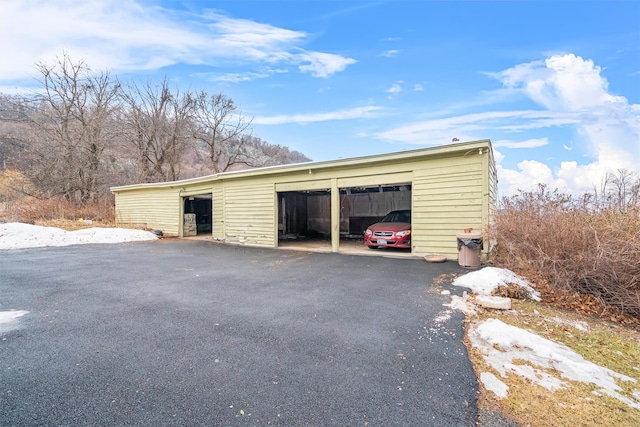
453 187
493 187
250 213
492 207
447 197
217 195
157 209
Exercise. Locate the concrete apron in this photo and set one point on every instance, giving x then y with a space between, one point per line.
347 246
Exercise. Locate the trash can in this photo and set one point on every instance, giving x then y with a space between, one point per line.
469 249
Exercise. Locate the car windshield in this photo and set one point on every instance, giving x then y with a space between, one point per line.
398 216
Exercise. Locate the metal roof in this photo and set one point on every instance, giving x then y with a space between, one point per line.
321 165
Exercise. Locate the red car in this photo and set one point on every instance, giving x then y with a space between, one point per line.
393 231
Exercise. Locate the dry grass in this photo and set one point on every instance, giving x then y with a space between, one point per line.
606 344
584 257
58 212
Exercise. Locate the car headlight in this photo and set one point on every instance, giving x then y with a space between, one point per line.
403 233
368 232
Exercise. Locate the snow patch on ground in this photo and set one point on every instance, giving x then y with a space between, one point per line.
492 383
501 344
581 326
16 235
462 304
488 279
9 319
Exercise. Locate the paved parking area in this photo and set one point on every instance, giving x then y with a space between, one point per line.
196 333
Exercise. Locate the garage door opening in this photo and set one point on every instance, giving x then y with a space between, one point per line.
198 215
304 217
360 207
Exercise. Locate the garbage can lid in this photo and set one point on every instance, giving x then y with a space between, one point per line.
469 235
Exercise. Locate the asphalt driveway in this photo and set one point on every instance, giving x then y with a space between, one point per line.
196 333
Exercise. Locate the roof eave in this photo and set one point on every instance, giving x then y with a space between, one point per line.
327 164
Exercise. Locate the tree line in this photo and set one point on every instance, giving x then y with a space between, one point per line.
85 131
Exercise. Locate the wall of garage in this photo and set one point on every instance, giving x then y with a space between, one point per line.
447 198
153 208
449 188
249 212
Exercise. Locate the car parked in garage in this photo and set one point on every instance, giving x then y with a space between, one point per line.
394 231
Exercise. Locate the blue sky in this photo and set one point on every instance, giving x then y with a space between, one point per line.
555 85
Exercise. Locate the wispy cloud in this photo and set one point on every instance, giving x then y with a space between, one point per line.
323 64
230 77
572 94
529 143
390 53
473 126
395 88
125 35
350 114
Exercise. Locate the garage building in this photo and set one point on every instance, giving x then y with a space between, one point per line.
447 188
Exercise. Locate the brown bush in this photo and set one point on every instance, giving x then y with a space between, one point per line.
31 210
580 249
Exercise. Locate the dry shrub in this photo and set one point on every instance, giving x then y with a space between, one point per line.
31 210
587 254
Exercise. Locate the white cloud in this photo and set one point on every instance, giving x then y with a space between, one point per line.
127 36
529 143
473 126
354 113
231 77
390 53
573 95
323 64
418 88
608 124
530 173
561 82
395 88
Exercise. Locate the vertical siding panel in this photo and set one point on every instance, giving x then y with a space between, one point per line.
217 196
447 198
249 214
156 209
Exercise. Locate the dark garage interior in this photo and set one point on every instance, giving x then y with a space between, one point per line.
306 215
201 207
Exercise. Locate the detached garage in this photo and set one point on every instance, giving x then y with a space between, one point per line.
446 188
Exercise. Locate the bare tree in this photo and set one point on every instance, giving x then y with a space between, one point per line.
261 153
159 129
220 126
67 127
620 191
83 132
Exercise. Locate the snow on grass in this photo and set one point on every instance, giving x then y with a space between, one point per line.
493 383
488 279
509 349
501 344
16 235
